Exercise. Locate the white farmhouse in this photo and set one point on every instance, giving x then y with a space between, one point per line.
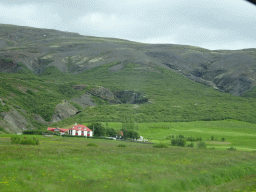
80 130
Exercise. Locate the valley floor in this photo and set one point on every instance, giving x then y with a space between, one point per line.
69 164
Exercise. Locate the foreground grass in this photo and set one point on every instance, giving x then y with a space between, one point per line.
65 164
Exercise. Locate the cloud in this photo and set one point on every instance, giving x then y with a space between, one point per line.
108 25
198 23
229 45
35 15
101 21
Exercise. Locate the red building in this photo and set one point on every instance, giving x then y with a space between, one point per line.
80 130
61 130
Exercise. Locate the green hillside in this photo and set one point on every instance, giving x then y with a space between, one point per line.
172 98
40 68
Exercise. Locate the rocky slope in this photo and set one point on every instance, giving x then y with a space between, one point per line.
16 119
229 71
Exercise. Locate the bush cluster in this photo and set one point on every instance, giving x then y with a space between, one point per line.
133 134
180 136
194 139
160 145
179 142
24 141
183 137
201 145
191 145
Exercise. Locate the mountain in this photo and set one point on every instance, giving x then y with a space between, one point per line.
50 76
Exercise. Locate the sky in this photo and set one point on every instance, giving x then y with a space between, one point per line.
218 24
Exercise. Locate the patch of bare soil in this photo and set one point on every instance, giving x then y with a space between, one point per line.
218 142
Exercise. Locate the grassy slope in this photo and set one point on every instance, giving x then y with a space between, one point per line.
33 94
173 98
67 163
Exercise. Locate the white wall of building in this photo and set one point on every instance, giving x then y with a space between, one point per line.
90 133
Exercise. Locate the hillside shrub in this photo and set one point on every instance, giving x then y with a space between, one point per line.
2 130
201 145
67 90
29 91
160 145
121 145
92 144
170 137
4 108
223 139
232 149
180 136
15 140
178 142
212 138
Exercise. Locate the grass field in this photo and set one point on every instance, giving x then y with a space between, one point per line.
68 164
238 134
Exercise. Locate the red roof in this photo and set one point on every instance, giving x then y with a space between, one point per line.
80 128
120 133
61 129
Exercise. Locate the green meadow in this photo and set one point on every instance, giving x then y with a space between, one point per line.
238 134
68 164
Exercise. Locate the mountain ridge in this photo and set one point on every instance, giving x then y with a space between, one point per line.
229 71
61 61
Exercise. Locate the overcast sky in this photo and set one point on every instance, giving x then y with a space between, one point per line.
219 24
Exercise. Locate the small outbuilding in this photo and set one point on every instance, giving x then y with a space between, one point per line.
119 134
61 130
80 130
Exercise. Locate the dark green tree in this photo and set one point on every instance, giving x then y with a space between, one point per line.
99 128
133 134
125 133
129 123
111 132
129 128
67 89
178 142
